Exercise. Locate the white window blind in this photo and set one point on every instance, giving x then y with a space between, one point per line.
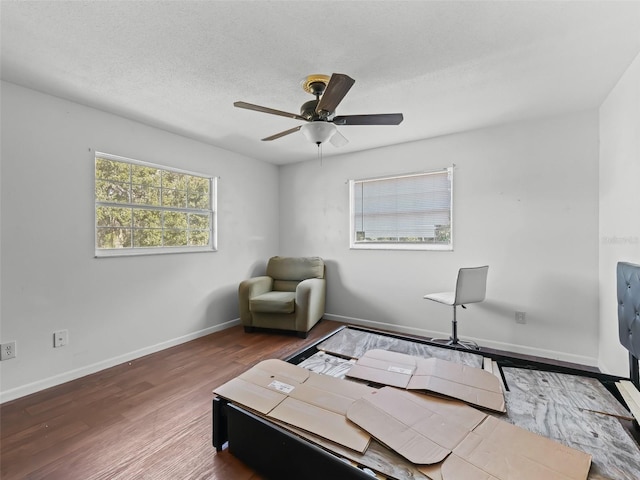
411 211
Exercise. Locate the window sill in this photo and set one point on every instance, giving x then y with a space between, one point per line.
400 246
136 252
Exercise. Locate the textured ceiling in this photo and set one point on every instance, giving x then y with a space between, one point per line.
448 66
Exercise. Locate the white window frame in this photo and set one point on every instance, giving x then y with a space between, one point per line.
398 245
136 251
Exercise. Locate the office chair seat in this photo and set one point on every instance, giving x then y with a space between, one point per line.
448 298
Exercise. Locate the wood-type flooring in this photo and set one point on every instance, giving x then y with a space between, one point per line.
151 418
146 419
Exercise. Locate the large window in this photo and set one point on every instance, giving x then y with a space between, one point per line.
410 212
141 208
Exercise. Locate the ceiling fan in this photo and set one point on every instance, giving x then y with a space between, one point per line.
320 113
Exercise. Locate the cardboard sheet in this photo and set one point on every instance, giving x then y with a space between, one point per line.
507 452
423 429
472 385
312 402
454 441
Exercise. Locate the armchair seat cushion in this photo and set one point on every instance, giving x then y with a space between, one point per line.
273 302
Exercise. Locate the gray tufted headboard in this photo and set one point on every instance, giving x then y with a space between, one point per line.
628 276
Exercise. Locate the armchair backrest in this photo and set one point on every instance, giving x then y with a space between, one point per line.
287 272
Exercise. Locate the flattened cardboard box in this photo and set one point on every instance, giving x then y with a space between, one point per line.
451 441
472 385
310 401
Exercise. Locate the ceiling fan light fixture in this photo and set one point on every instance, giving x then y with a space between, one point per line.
318 132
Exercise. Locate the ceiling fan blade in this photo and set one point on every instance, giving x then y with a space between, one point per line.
258 108
282 134
373 119
339 85
338 140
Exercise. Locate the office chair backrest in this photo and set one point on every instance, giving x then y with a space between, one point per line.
471 286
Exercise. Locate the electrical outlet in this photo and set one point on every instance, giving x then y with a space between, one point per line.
8 350
521 318
60 338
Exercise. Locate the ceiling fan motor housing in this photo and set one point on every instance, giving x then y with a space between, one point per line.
308 110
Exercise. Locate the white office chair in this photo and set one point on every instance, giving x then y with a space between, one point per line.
471 287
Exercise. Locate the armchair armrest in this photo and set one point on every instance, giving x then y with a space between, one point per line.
310 302
252 287
255 286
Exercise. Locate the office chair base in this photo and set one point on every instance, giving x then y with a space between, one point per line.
456 342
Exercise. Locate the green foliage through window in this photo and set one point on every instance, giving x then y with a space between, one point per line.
144 208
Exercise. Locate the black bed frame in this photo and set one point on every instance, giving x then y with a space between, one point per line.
279 454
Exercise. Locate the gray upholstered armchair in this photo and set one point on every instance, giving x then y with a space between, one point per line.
291 296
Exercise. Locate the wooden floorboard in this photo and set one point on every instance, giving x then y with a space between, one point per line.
146 419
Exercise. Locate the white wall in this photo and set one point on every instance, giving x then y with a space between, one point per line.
114 308
619 206
525 203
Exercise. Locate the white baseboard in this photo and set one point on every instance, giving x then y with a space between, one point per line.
111 362
509 347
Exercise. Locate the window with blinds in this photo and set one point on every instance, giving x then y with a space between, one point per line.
411 211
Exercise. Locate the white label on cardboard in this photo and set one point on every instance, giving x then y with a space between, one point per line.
281 387
405 371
